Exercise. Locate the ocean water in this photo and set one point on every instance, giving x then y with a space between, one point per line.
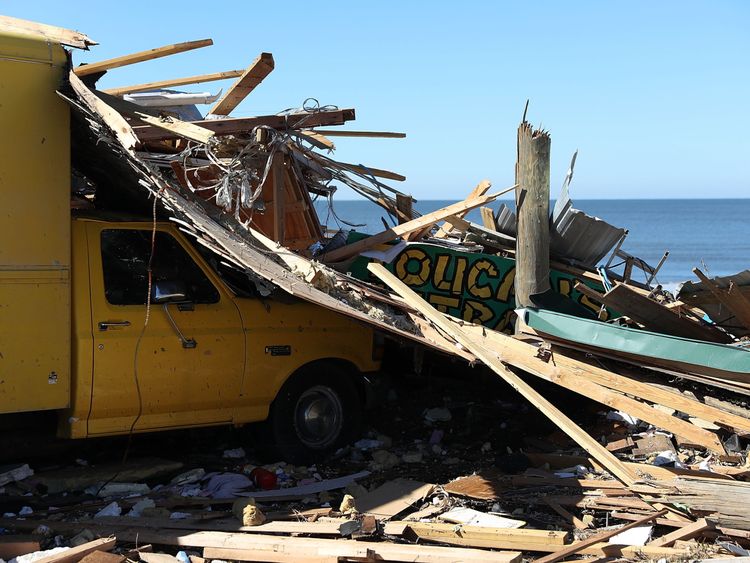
712 234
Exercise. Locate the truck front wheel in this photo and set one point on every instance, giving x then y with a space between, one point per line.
317 411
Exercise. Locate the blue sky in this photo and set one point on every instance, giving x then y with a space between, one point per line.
653 94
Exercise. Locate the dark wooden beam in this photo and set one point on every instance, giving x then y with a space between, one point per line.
244 125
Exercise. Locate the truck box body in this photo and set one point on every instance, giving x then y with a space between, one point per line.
35 291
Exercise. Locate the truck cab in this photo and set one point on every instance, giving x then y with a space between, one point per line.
167 336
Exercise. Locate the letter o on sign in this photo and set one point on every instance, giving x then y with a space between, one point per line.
413 267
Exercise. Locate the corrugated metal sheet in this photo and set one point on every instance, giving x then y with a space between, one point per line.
578 236
506 221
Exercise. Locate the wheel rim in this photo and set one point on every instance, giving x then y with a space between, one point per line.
318 416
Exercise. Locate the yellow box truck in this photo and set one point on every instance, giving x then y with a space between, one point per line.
74 302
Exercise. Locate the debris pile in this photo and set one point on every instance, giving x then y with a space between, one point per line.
660 475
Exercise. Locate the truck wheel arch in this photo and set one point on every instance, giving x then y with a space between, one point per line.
317 409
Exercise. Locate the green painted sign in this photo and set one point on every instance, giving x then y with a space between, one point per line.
475 287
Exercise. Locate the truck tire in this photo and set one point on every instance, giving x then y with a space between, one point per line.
317 411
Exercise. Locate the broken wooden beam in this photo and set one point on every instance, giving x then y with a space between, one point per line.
50 32
245 125
185 129
498 538
160 84
370 134
596 538
488 218
140 56
251 77
481 188
117 123
491 360
419 223
684 533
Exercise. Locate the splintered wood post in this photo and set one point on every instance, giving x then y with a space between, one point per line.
532 210
278 196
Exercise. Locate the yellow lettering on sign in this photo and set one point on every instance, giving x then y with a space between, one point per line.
564 287
406 270
590 305
476 312
506 286
439 278
443 303
458 277
481 291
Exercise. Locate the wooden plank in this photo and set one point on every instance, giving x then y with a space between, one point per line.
499 538
685 533
567 373
160 84
149 54
290 549
229 554
253 75
489 358
617 401
15 545
647 391
596 538
479 190
331 527
245 125
277 169
400 230
370 171
393 497
103 557
185 129
652 315
120 127
50 32
75 554
488 218
316 139
567 516
373 134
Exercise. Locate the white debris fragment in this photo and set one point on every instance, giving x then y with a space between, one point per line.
634 536
36 555
236 453
112 509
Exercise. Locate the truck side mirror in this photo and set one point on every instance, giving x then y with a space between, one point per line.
169 292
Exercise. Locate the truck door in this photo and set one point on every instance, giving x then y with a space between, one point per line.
184 366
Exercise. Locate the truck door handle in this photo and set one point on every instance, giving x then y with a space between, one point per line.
104 325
